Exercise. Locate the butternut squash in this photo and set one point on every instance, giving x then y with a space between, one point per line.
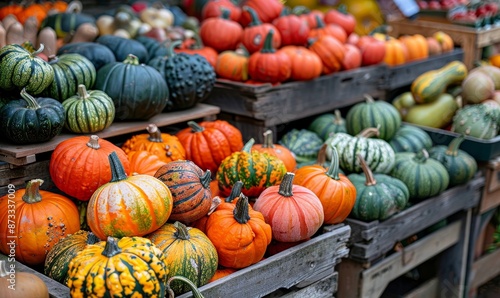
2 36
31 30
430 85
8 21
48 37
15 34
86 32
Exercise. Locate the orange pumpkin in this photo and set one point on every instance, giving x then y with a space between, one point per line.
294 212
306 65
201 224
215 8
255 33
396 52
232 65
39 11
167 147
41 219
332 29
330 51
266 10
277 150
12 9
335 191
210 32
222 272
416 45
195 46
240 234
269 65
144 162
352 57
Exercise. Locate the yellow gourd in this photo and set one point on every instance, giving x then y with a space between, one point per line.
367 13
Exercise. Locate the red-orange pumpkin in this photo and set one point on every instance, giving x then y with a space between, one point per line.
255 33
293 30
144 162
333 30
196 46
232 65
214 9
266 10
269 65
352 57
306 65
330 51
341 17
211 29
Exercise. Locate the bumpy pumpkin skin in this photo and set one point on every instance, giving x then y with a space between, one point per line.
188 252
113 268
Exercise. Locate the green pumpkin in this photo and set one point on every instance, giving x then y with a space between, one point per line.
60 255
138 91
98 54
70 70
189 253
328 124
303 143
378 153
460 165
424 176
88 111
154 48
481 121
373 114
190 78
123 47
22 69
65 23
410 138
378 196
29 120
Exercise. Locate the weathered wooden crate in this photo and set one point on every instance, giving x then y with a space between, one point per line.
305 269
256 108
18 176
491 193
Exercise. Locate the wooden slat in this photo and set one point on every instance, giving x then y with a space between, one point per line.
428 289
491 194
485 268
17 154
283 270
326 287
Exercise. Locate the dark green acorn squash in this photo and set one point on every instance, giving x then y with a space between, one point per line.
66 22
373 114
327 124
303 143
122 47
378 196
98 54
190 78
22 69
410 138
70 70
460 165
29 120
424 176
154 48
88 111
138 90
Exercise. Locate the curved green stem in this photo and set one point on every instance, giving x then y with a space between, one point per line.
253 14
368 132
117 170
454 145
131 59
192 286
370 179
248 146
170 49
333 170
422 156
182 231
32 104
36 52
195 127
205 179
111 248
241 210
32 192
235 191
268 139
268 43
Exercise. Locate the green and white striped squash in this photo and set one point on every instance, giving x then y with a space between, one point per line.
460 165
424 176
410 138
377 153
327 124
303 143
88 111
70 70
373 113
22 69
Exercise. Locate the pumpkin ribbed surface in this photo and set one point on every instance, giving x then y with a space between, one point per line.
327 124
410 139
144 162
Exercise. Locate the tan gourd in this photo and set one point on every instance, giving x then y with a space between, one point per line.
17 284
48 38
2 36
31 30
86 32
8 21
15 34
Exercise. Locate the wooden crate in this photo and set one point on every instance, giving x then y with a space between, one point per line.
19 175
256 108
306 268
491 193
471 40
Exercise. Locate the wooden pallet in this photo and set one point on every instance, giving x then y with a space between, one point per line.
19 175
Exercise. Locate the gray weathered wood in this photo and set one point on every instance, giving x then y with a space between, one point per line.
326 288
428 289
285 269
485 268
56 289
372 240
491 194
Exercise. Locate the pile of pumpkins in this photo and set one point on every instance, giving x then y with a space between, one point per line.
453 98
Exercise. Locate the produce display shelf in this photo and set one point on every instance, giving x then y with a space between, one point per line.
484 269
301 268
26 154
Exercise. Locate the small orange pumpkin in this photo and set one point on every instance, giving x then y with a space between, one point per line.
416 45
306 65
330 51
233 65
144 162
445 41
396 52
277 150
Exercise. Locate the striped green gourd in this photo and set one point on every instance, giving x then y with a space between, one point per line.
22 69
410 138
327 124
424 176
373 113
88 111
460 165
378 196
303 143
70 70
377 153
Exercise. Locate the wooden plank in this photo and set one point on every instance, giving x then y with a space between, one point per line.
15 153
326 287
283 270
376 278
491 194
429 289
56 289
376 240
350 278
485 268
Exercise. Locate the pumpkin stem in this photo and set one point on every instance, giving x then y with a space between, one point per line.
285 11
370 179
170 49
32 192
82 210
333 170
321 159
3 269
286 185
454 145
369 132
195 127
248 146
268 139
36 52
225 13
216 201
422 156
191 285
117 170
32 104
338 117
368 98
205 179
268 43
182 231
154 133
255 18
94 142
240 211
319 22
53 59
111 248
131 59
342 8
92 238
235 191
300 10
82 92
